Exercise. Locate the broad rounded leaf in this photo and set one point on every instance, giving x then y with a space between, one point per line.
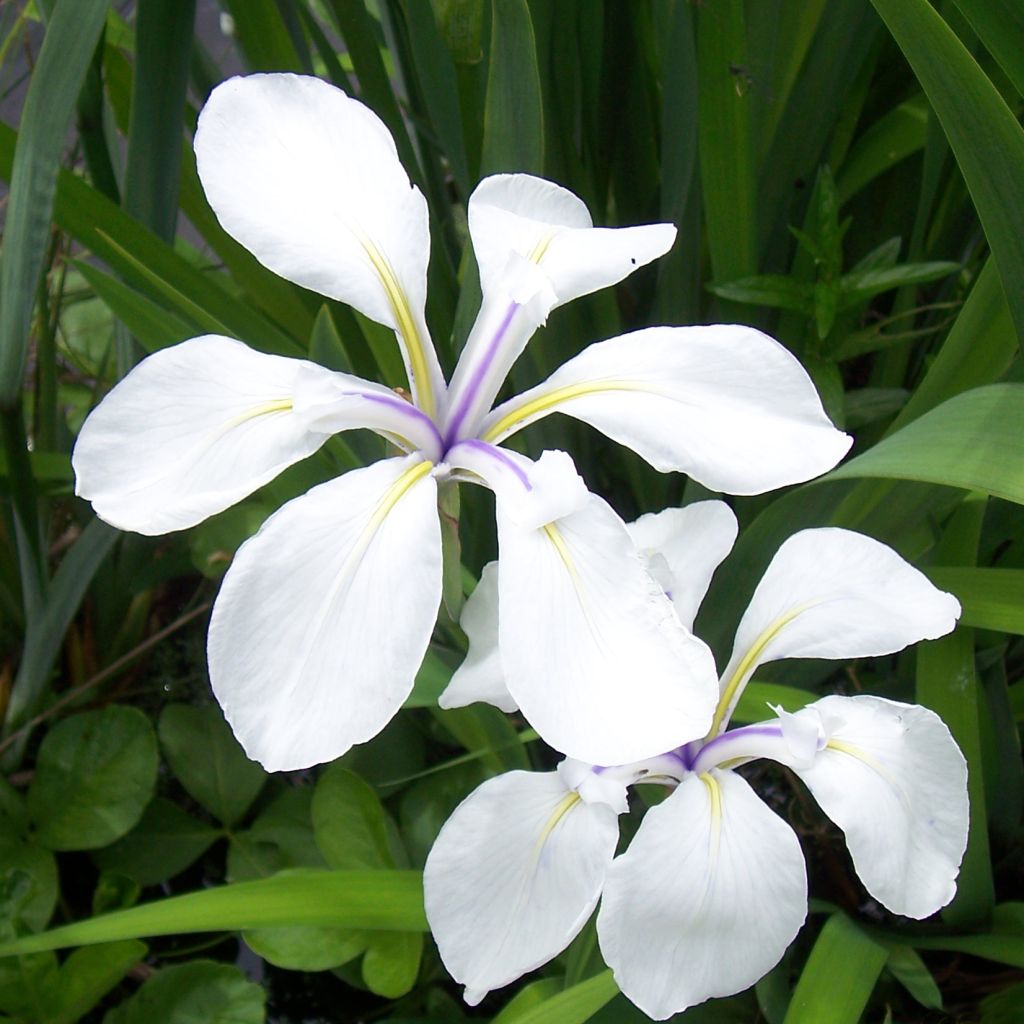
513 877
95 774
28 883
198 992
349 823
325 615
706 899
208 761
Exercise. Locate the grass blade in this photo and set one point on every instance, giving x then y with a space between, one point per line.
53 91
984 134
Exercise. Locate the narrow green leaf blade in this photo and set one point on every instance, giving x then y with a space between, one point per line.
839 976
971 441
1000 26
571 1006
513 113
984 135
66 53
388 900
991 598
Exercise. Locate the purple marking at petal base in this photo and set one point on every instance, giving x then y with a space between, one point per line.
716 751
402 406
498 455
469 393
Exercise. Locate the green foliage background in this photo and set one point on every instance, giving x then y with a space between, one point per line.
847 175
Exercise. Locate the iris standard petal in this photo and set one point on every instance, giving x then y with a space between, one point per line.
198 426
513 876
325 614
725 404
832 593
309 181
536 249
683 548
706 899
893 779
480 676
592 649
551 227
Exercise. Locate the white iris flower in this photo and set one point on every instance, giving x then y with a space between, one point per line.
325 615
712 888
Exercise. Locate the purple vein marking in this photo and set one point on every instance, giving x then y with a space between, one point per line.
493 452
410 412
470 392
718 750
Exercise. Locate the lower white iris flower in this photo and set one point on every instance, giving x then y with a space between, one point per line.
712 888
325 615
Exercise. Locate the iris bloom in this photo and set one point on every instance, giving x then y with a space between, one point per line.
324 616
712 888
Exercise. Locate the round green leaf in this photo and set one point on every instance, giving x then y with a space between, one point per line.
199 992
306 947
28 884
208 760
95 774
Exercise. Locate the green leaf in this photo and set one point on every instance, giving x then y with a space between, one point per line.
88 975
724 139
149 264
571 1006
758 699
839 976
912 973
28 884
971 441
163 47
513 111
773 290
385 900
95 774
1000 26
392 963
64 58
163 844
153 326
983 132
977 350
199 992
304 948
281 837
46 630
990 598
263 37
859 285
208 761
349 823
1003 944
26 985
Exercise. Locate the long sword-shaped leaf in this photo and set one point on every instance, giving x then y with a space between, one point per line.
972 441
839 976
984 134
376 900
991 598
63 61
1000 26
163 46
573 1006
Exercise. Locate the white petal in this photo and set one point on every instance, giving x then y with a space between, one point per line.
592 649
832 593
480 677
893 779
536 249
513 877
549 226
706 899
309 181
325 615
531 494
726 404
683 548
196 427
